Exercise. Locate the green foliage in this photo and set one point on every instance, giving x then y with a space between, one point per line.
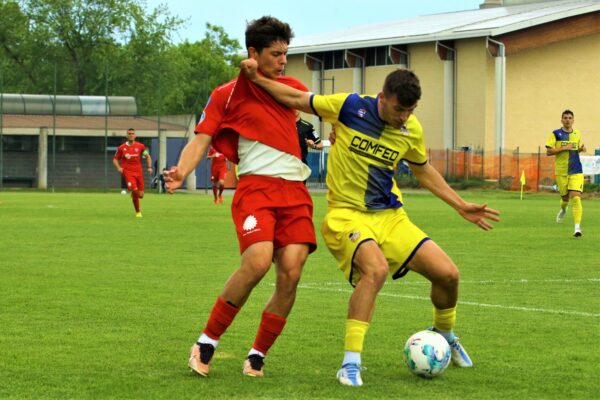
97 304
591 187
114 47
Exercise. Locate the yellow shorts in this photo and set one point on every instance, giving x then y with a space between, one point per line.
566 183
344 230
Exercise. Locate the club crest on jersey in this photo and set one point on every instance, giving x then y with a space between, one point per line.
354 236
362 112
404 130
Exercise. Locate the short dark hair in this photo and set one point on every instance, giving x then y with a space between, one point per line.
262 32
404 84
131 129
567 112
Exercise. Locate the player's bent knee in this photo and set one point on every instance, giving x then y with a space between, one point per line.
258 269
375 275
449 276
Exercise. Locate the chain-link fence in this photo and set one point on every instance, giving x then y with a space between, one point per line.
75 162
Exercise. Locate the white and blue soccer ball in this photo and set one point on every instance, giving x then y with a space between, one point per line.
427 354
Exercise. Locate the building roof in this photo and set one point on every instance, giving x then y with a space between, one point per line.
447 26
87 125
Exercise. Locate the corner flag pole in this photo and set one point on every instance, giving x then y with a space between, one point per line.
522 183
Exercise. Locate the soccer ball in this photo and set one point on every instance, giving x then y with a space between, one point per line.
427 354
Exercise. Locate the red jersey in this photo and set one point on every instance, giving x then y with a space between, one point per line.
130 157
242 108
219 160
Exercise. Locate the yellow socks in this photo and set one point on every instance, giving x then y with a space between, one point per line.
577 210
563 204
444 320
355 335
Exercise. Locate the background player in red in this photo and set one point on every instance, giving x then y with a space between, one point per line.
271 208
127 160
218 169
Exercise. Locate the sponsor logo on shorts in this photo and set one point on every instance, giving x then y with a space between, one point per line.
354 236
250 224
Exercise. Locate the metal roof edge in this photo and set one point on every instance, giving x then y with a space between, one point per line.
444 35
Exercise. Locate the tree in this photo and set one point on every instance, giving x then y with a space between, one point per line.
92 45
202 66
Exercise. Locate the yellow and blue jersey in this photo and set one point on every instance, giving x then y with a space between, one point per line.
566 162
362 163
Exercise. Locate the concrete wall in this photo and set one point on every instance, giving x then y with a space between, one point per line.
472 89
540 83
430 70
544 81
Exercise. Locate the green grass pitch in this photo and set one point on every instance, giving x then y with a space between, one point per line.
96 304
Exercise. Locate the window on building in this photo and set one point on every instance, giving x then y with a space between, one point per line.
381 55
24 143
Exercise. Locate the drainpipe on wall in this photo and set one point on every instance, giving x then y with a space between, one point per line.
318 74
448 55
500 69
358 80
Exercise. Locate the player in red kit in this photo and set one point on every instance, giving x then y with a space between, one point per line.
128 162
271 208
218 169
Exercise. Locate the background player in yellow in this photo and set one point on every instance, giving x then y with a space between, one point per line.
366 227
565 144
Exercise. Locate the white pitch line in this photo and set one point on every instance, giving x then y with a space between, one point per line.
470 303
482 282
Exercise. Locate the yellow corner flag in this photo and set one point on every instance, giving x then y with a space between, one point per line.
522 183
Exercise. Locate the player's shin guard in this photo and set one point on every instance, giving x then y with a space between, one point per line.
355 335
271 326
577 210
221 317
444 320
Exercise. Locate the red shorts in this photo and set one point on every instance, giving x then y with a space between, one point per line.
218 174
134 181
273 210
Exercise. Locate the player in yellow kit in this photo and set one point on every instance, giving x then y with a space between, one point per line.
565 144
366 227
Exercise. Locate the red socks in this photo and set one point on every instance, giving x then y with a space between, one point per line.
221 317
269 330
136 200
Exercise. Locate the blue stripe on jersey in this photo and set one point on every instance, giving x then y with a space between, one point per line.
559 134
360 113
575 166
379 195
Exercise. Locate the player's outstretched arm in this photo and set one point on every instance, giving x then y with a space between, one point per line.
288 96
190 157
478 214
